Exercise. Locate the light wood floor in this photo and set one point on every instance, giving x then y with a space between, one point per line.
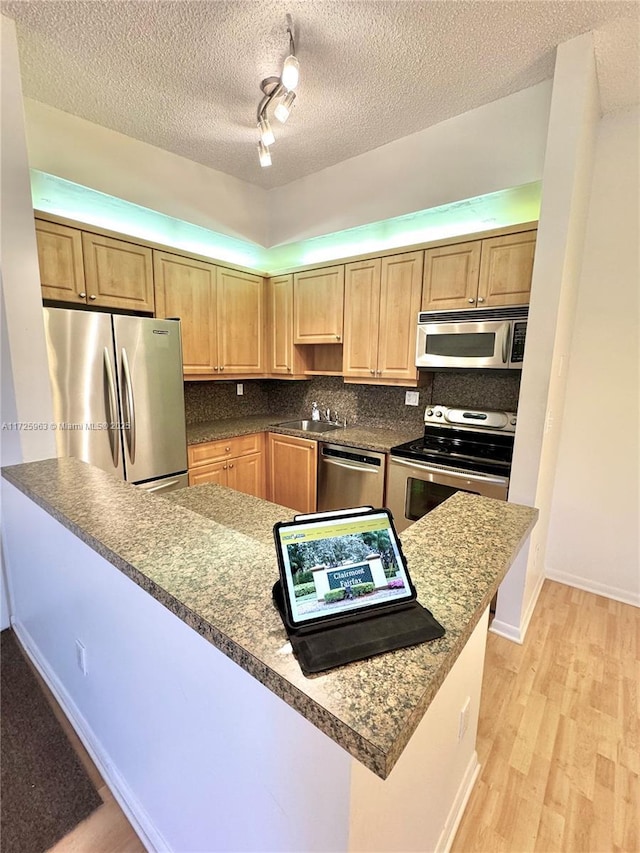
559 736
559 740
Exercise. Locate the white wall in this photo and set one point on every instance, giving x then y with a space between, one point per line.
26 393
566 185
593 532
200 754
494 147
86 153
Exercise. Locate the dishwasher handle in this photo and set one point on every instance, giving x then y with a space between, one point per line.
351 458
365 467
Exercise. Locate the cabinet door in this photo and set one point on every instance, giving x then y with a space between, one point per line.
506 269
284 358
214 473
241 322
361 318
293 468
60 260
451 277
246 474
318 297
118 274
400 289
187 289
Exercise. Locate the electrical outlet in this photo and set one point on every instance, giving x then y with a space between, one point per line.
411 398
81 657
239 389
464 719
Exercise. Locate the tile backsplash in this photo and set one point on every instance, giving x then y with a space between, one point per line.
482 389
207 401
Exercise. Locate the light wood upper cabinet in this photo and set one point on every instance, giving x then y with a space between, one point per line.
118 274
400 290
382 300
506 269
318 306
451 277
285 358
484 274
361 318
241 322
186 289
60 260
293 468
222 313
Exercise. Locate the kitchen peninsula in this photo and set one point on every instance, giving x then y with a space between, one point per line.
189 696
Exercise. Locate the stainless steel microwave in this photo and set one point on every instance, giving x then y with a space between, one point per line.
487 338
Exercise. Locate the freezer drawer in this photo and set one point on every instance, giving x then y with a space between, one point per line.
349 477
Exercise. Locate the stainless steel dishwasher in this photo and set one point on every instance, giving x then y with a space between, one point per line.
349 476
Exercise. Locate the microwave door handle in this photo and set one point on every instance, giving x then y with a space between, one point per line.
506 344
450 472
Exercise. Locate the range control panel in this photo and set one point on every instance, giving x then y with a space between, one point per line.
488 420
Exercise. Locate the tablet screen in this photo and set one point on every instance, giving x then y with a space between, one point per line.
335 566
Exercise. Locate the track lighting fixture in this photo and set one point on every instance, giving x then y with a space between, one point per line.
264 154
278 90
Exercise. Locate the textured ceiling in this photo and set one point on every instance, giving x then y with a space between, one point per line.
185 76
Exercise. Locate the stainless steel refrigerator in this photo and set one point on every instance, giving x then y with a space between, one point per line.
118 394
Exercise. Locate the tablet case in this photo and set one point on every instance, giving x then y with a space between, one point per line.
355 637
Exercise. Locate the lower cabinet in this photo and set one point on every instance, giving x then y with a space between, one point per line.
293 468
238 463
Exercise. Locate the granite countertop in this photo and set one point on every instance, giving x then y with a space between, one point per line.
193 565
369 435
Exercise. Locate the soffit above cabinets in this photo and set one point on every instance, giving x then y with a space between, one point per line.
184 76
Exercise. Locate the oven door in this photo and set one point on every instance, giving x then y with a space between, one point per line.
464 345
415 488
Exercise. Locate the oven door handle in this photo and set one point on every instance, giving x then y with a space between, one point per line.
450 472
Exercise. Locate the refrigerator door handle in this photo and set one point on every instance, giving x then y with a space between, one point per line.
112 409
130 411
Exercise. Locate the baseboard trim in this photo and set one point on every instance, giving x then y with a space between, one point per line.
459 805
506 630
517 633
124 796
615 593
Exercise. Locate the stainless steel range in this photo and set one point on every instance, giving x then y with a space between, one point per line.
468 450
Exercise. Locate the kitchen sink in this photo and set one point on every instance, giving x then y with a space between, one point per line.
310 426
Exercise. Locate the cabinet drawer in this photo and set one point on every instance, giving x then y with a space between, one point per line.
212 451
213 473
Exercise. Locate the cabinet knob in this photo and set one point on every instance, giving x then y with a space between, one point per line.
288 368
224 467
222 367
92 296
372 372
480 298
227 449
82 295
379 372
231 465
337 337
472 301
215 368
